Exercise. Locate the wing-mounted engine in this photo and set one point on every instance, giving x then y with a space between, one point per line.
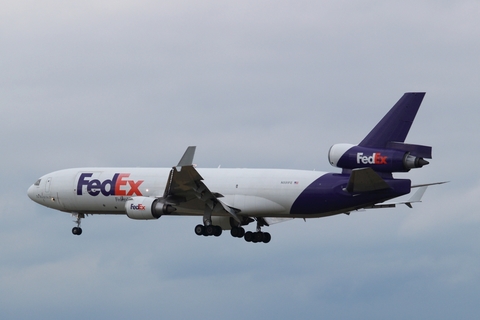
397 157
147 208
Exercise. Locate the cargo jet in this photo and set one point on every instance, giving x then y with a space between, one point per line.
229 199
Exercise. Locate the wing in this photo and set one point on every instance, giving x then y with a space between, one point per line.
185 188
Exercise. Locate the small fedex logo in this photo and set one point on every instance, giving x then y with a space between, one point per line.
119 185
137 206
375 158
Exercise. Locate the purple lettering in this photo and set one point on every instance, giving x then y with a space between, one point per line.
93 187
109 187
82 182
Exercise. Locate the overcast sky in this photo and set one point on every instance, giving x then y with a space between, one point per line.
251 84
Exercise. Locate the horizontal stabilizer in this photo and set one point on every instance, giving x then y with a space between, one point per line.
414 149
365 180
415 198
429 184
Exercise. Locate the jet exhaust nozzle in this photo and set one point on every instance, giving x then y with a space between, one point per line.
411 162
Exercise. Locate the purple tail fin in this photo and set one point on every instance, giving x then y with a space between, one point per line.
396 123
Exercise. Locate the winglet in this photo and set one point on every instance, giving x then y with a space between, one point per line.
187 159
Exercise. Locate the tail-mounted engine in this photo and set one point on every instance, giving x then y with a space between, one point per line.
147 208
399 157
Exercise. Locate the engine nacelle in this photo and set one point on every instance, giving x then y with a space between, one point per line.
147 208
348 156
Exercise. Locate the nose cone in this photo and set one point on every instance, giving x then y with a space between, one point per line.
32 192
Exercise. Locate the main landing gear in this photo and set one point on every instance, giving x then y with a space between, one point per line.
237 232
249 236
258 236
209 230
77 230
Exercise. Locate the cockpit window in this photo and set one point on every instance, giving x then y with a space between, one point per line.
37 183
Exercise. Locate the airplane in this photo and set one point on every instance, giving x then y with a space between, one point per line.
229 199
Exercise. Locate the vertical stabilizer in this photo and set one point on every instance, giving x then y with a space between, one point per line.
396 123
384 149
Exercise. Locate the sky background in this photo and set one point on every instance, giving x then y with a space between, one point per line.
257 84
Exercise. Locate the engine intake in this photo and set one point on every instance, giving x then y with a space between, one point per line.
147 208
348 156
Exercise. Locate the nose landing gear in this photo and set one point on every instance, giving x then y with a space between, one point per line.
77 230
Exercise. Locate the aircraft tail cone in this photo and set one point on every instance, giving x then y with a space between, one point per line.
422 162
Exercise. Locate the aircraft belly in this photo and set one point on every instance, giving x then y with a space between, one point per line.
254 205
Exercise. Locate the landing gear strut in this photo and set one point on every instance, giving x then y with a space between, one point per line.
77 230
208 229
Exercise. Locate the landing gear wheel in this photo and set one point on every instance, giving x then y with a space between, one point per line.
217 231
242 232
210 230
266 237
199 230
237 232
77 231
257 237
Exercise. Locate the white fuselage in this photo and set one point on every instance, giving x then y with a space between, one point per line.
256 192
